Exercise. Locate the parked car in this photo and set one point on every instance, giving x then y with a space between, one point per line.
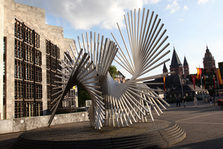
220 102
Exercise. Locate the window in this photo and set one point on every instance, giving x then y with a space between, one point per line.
52 64
28 73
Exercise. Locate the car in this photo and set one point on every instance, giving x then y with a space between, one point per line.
220 102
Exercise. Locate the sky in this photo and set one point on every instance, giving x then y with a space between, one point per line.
191 24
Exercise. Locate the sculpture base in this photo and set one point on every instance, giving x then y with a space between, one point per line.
80 135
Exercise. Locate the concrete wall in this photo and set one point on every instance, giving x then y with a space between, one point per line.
29 123
9 20
1 55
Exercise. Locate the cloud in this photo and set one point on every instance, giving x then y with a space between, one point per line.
186 7
202 1
85 14
173 6
181 19
151 1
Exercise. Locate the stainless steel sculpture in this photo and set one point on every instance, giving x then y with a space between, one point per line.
115 104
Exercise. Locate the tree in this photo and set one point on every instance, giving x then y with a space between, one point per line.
113 71
83 95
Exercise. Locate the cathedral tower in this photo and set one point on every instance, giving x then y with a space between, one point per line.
176 64
208 61
165 69
186 67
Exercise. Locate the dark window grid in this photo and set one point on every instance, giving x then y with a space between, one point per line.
26 34
53 51
48 62
18 49
38 74
18 29
48 77
37 40
38 57
16 109
16 69
48 45
58 53
16 94
28 53
18 89
52 65
39 107
30 36
33 71
32 89
26 109
38 89
21 89
48 92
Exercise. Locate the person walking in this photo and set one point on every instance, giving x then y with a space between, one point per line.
178 101
195 101
184 101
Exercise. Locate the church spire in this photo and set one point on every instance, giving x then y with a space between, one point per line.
185 61
176 65
175 62
164 68
186 68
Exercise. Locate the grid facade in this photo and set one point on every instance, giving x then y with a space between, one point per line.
28 71
52 68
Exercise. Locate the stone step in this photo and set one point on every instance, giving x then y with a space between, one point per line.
164 137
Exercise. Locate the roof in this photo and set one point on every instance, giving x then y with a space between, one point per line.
175 62
164 68
185 61
119 73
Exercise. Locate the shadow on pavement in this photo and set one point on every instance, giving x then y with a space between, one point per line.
199 108
209 144
7 144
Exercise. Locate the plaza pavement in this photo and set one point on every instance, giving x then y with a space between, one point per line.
203 125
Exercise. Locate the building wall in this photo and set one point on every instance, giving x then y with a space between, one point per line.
29 123
220 66
1 55
9 20
178 70
186 71
35 19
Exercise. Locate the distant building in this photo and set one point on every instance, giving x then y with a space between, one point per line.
177 84
185 68
176 65
165 70
220 66
120 78
209 62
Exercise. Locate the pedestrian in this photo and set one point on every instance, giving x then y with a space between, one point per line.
184 101
178 101
195 101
